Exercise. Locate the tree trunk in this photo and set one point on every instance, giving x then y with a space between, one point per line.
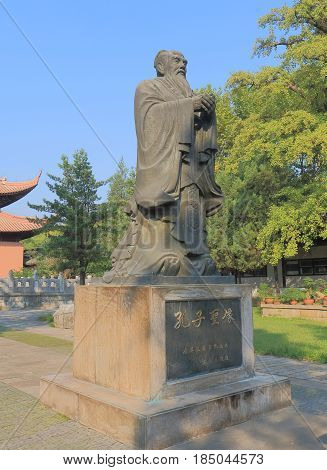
82 278
276 283
237 277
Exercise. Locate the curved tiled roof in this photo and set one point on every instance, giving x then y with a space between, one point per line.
13 191
15 224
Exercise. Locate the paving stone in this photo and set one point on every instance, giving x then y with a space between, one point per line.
22 319
291 368
27 424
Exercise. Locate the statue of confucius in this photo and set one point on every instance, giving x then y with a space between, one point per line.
175 186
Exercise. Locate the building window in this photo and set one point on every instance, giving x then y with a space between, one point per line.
305 267
320 266
262 272
292 268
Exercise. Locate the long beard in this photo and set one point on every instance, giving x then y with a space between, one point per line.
180 82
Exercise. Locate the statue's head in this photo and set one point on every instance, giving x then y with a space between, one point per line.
170 63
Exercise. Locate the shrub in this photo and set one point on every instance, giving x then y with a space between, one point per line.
265 291
292 294
310 286
321 285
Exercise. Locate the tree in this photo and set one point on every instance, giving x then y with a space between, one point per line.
298 217
120 191
34 252
272 145
72 216
114 220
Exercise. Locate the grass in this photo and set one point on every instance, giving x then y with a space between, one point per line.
47 318
296 338
34 339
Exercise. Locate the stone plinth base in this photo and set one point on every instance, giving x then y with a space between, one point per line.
159 424
154 365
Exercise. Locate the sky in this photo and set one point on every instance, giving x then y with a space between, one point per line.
69 70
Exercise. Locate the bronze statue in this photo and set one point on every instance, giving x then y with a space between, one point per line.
175 185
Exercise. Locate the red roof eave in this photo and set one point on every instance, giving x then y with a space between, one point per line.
13 191
16 224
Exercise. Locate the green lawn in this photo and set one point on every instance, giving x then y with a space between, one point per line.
34 339
290 337
284 337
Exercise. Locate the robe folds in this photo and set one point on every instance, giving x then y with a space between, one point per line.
175 188
171 148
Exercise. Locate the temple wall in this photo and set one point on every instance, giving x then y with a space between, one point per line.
11 257
31 301
35 292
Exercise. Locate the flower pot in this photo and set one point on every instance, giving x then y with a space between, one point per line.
269 300
276 302
293 302
324 302
309 301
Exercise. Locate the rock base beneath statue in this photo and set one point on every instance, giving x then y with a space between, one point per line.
159 424
157 280
154 365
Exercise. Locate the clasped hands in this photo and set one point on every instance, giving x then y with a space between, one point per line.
204 102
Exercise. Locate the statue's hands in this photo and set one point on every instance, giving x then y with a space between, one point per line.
197 102
208 103
204 102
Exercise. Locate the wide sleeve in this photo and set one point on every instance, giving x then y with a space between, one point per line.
164 129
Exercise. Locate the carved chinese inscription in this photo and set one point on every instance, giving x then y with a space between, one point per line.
202 336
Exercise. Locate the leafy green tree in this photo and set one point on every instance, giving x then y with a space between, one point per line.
72 217
299 214
272 145
120 192
34 253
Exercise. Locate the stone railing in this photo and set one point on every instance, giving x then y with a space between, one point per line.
36 285
36 292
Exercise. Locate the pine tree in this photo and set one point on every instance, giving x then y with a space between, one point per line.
72 217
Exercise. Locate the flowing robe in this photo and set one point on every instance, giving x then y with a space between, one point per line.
175 187
167 140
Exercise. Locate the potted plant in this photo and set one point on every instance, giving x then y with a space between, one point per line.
266 293
321 285
310 290
292 296
324 299
321 293
276 299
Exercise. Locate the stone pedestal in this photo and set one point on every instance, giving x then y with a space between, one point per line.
156 365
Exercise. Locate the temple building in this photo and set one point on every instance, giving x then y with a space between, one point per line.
14 228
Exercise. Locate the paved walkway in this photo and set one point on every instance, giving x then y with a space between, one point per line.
29 320
27 424
61 333
301 370
22 319
22 365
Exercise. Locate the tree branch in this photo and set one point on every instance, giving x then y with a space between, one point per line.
285 42
296 89
320 25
